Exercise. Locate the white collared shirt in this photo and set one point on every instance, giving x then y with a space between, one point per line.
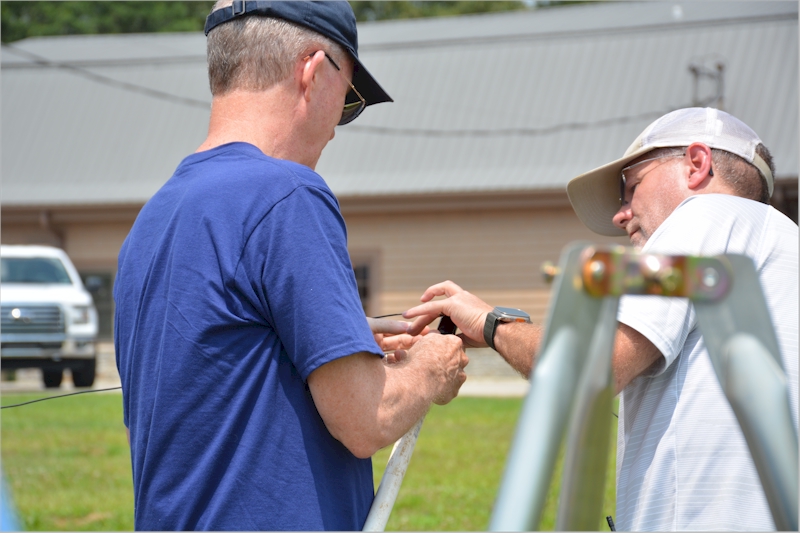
682 461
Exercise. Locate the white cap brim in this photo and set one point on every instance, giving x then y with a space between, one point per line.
595 195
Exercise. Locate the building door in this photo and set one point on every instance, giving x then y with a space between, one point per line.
100 285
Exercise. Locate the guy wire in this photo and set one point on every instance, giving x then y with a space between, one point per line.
113 388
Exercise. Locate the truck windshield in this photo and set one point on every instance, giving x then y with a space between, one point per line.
33 270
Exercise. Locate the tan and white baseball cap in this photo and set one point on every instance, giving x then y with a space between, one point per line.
595 194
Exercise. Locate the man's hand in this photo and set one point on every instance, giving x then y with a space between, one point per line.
517 343
393 338
443 359
367 405
467 311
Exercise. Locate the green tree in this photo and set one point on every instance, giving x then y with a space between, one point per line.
381 10
22 19
19 20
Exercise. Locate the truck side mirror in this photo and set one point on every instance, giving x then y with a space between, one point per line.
93 283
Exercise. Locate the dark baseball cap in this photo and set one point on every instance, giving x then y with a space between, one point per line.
333 19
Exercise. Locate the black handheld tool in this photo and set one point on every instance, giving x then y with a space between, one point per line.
447 326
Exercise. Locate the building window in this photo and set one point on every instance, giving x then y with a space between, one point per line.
100 284
366 268
362 273
784 198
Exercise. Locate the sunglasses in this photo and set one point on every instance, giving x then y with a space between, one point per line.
623 180
354 103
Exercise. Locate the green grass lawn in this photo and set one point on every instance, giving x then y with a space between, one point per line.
68 466
455 471
67 463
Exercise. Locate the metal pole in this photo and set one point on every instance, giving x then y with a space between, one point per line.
744 351
540 429
554 380
392 479
757 390
582 489
735 321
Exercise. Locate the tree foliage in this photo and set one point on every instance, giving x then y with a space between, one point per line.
21 19
366 10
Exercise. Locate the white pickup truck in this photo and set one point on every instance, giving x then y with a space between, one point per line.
47 318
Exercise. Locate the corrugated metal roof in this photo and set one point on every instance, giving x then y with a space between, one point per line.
509 101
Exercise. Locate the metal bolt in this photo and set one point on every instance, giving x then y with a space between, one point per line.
598 270
710 277
652 263
670 279
549 271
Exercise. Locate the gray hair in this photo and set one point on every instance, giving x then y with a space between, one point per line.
254 53
742 177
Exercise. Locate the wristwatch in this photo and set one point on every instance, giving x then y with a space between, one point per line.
501 315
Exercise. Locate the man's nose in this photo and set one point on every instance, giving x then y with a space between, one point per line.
622 216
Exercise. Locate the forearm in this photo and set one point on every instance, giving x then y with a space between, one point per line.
518 343
633 353
367 405
407 397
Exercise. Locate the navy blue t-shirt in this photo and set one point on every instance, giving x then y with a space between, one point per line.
233 285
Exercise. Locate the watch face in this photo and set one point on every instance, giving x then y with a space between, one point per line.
509 314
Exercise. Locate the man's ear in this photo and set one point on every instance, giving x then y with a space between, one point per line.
698 156
308 73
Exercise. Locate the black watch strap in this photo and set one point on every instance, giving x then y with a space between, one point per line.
489 327
501 315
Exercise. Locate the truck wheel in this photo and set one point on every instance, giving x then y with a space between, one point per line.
83 374
52 378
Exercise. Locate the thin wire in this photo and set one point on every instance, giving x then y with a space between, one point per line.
519 132
117 388
355 128
155 93
505 132
59 396
112 388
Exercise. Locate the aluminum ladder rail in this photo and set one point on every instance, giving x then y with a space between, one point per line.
392 480
572 390
398 462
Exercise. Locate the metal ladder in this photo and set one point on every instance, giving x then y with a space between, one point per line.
572 388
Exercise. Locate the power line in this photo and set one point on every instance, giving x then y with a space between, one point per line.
519 132
504 132
374 130
105 80
59 396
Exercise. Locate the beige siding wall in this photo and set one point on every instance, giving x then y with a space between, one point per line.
91 236
28 233
495 254
95 246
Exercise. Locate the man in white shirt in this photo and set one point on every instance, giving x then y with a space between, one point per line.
697 181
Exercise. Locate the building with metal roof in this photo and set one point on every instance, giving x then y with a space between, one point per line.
498 102
493 115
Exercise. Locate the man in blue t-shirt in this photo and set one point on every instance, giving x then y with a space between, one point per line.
254 390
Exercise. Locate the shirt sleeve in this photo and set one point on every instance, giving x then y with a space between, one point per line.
666 322
699 226
307 294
